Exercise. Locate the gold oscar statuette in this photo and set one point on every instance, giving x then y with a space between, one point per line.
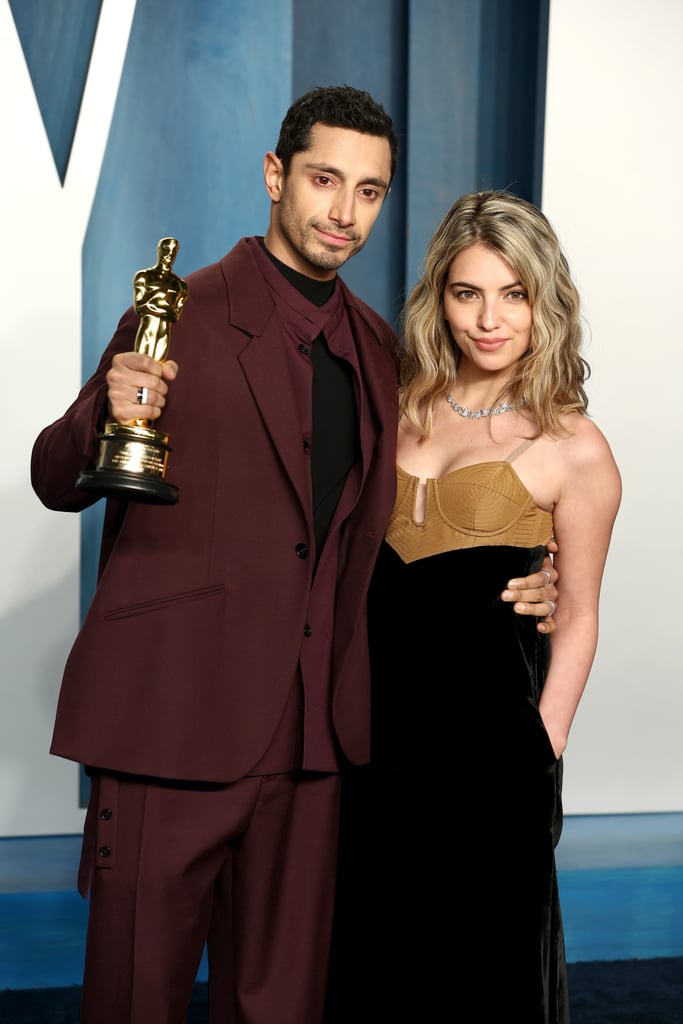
133 457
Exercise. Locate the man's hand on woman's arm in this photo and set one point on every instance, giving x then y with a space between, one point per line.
536 594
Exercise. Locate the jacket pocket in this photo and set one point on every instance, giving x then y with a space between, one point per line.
168 601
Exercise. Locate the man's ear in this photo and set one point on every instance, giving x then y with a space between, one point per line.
273 175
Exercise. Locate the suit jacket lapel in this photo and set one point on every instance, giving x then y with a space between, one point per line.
265 366
264 363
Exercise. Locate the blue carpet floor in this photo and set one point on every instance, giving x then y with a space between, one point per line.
621 887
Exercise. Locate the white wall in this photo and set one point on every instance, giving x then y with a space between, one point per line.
43 226
613 188
613 191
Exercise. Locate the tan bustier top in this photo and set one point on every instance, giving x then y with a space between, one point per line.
474 506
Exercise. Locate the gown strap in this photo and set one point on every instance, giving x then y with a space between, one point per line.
522 448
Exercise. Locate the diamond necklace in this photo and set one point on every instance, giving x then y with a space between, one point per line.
478 414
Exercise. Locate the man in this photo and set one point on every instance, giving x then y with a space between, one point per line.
220 680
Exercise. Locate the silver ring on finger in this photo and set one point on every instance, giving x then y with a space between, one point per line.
553 609
142 400
550 579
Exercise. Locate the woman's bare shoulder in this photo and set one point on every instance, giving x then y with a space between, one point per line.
588 459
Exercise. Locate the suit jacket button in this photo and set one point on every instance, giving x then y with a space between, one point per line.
104 851
302 550
106 813
307 630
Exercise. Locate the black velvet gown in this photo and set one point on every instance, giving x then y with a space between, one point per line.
448 903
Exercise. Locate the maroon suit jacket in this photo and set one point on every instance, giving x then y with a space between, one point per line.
186 657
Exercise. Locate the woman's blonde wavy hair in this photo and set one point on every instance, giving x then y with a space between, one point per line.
550 376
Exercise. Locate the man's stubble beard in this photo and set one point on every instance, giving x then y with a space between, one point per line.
300 236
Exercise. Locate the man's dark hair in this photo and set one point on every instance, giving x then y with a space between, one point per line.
338 106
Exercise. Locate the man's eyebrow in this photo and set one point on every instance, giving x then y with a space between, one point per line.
329 169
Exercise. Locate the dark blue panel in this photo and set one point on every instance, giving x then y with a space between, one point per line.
364 45
475 108
442 115
513 52
57 38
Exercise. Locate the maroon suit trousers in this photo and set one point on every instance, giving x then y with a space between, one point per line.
249 866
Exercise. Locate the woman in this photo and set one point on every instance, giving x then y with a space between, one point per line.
448 891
